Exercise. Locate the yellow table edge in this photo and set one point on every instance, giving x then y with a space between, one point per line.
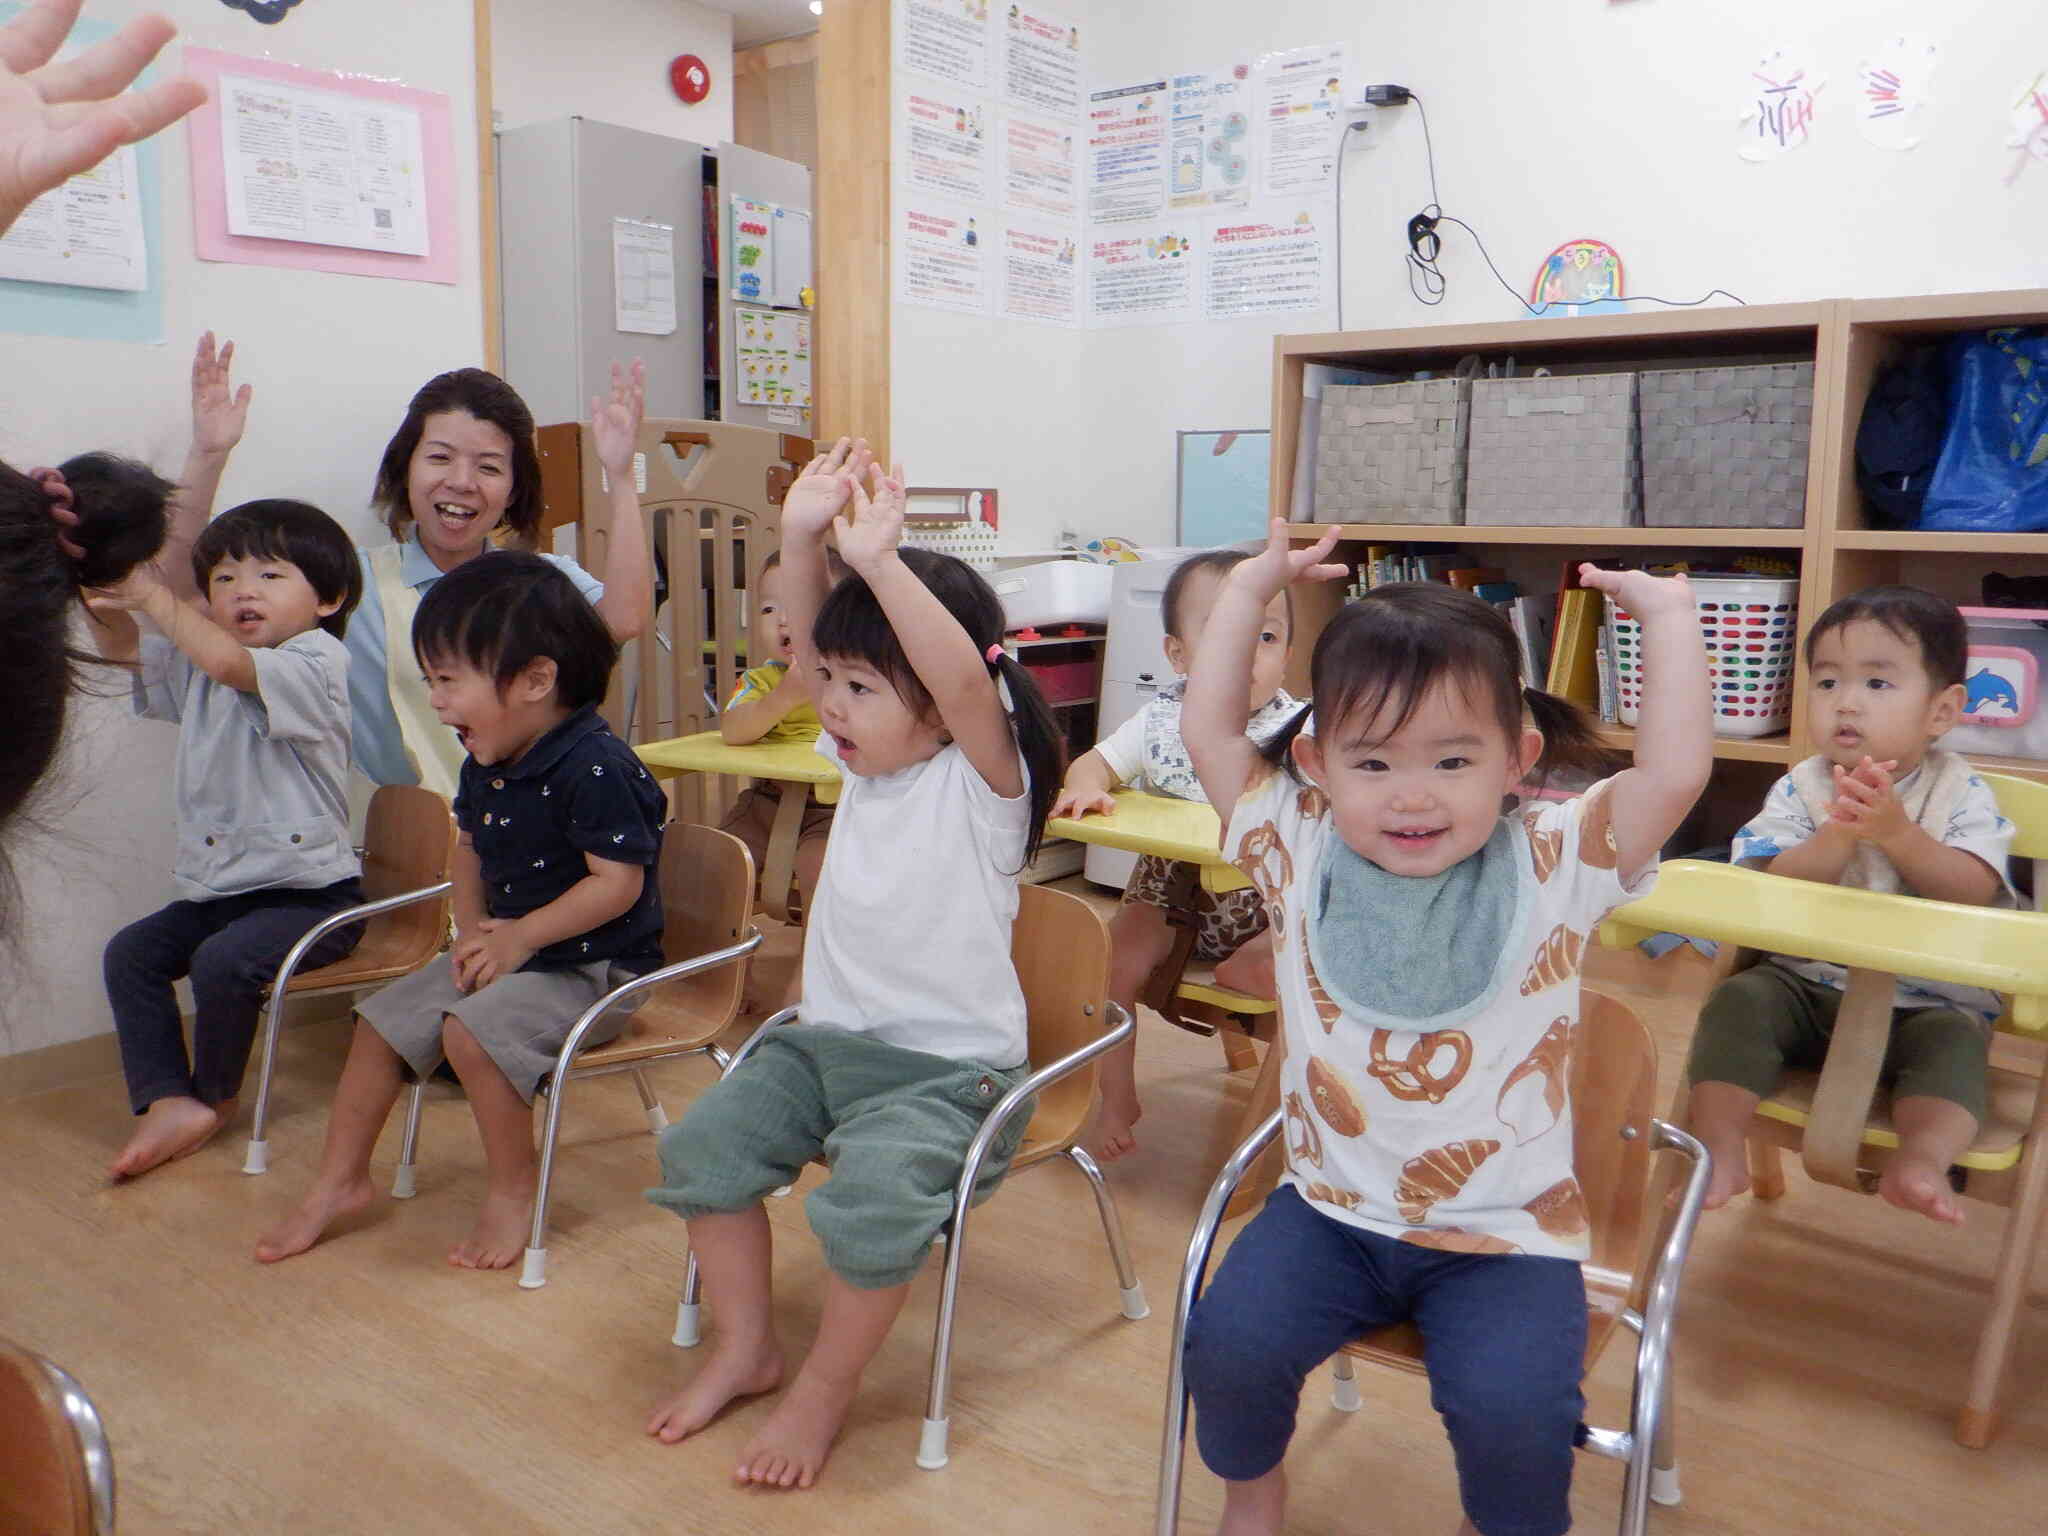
791 762
1877 1136
1187 831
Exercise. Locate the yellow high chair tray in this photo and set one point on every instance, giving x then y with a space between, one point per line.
792 762
1188 831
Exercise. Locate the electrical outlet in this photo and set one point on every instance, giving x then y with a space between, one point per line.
1069 539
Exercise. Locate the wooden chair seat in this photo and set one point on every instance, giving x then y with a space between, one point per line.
684 1015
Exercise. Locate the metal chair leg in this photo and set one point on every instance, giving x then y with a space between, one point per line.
657 1117
689 1310
1128 1285
533 1272
403 1183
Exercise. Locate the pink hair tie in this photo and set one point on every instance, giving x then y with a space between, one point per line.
53 486
994 653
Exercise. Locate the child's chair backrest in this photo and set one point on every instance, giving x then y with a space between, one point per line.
1614 1078
409 844
44 1486
707 901
2024 803
1060 946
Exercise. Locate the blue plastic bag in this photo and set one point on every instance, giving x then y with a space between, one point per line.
1993 473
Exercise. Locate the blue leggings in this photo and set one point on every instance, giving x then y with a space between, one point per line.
1504 1339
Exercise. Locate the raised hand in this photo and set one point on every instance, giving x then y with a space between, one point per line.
816 496
876 527
1279 565
615 419
219 410
1639 592
56 119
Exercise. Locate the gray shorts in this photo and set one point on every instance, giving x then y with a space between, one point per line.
893 1123
521 1020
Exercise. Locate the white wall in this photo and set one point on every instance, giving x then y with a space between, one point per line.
610 62
334 360
1574 117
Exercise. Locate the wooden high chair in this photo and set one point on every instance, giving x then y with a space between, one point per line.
1833 1119
1061 951
707 896
409 849
1613 1075
56 1468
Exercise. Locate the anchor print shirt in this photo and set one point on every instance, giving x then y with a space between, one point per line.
1453 1131
577 790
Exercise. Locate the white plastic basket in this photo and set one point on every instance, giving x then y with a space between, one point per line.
1751 626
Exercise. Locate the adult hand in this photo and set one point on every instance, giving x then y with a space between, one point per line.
57 120
615 419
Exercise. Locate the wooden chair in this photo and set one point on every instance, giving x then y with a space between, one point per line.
1061 950
707 893
1613 1076
56 1469
409 849
1845 1136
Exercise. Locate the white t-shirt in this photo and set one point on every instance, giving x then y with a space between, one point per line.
1455 1131
909 935
1147 750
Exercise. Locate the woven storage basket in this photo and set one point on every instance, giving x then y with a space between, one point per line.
1393 453
1554 452
1726 447
1750 625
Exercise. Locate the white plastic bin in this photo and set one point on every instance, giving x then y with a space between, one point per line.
1053 592
1751 627
2008 663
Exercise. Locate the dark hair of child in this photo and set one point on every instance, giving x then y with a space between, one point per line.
122 513
294 531
1911 613
1381 655
851 624
502 611
1220 561
488 398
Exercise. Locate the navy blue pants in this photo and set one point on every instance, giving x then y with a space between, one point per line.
231 948
1504 1339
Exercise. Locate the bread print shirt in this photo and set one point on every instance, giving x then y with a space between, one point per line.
1454 1131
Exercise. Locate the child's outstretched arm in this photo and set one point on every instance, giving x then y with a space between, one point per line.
945 659
628 574
1675 730
1213 712
206 645
219 413
808 510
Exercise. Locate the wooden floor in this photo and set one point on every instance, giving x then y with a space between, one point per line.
369 1388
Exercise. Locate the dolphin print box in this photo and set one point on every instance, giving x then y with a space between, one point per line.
2002 713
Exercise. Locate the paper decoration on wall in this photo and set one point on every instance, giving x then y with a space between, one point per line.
940 258
1126 172
1210 137
946 39
1578 272
269 12
946 145
1782 97
86 233
2029 125
1892 88
753 250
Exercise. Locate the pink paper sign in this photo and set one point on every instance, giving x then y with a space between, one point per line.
211 239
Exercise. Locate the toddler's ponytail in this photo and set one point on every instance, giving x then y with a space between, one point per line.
1038 738
1571 743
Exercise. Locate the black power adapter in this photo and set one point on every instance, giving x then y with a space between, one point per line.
1387 95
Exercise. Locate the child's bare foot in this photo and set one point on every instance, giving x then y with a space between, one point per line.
1914 1185
732 1372
1114 1137
324 1205
790 1449
499 1236
1730 1177
170 1128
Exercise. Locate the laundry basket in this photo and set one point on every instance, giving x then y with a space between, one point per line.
1751 627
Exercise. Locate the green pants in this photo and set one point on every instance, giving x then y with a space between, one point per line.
894 1125
1766 1019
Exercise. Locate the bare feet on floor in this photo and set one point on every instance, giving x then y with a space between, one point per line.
732 1372
324 1205
1914 1185
169 1128
1114 1135
790 1449
1731 1174
499 1236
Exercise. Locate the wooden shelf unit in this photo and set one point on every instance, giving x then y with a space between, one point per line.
1837 551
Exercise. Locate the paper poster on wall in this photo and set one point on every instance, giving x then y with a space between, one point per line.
1041 274
1143 275
2029 119
1041 167
1302 93
1783 94
942 260
753 250
1266 261
1893 90
945 143
322 168
1127 153
644 277
947 40
1209 143
1041 61
773 355
86 233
